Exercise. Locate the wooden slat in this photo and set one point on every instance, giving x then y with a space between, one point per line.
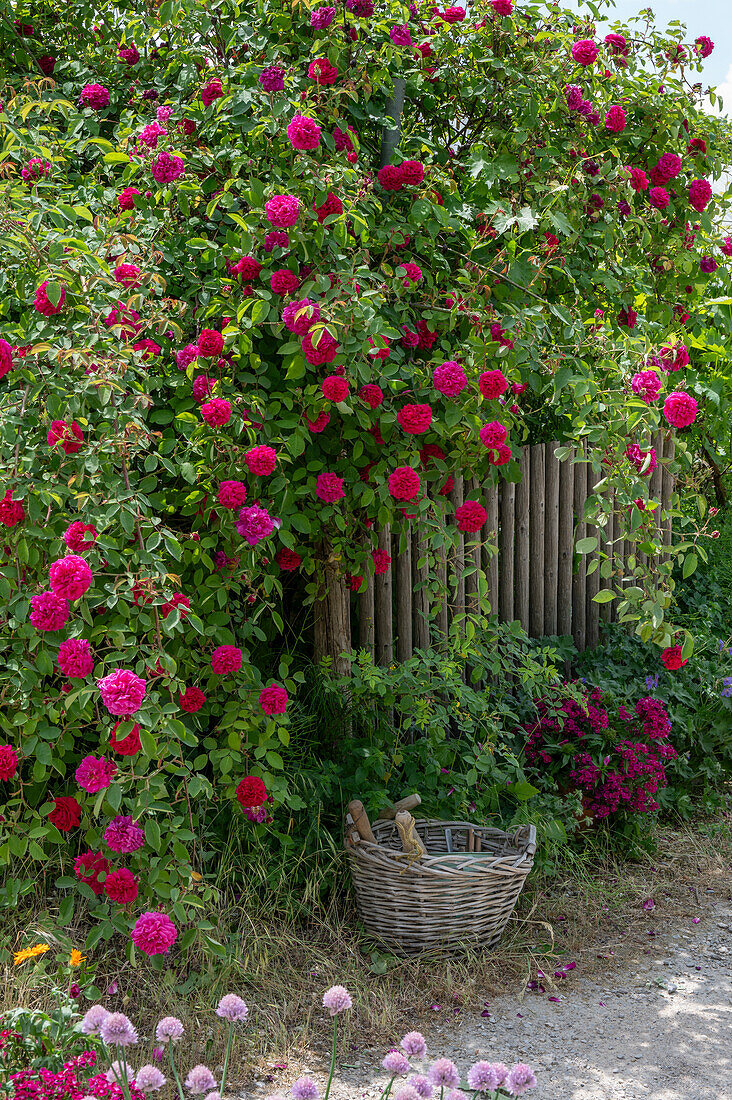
490 536
507 499
607 536
593 580
551 538
472 554
383 605
536 540
457 595
366 631
656 486
566 546
521 547
667 488
579 579
403 602
420 604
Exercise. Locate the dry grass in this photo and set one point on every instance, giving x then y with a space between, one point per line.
593 908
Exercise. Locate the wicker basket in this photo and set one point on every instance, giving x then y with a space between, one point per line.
446 897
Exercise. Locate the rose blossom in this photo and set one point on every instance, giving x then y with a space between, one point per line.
329 487
75 658
70 577
94 774
255 524
122 692
680 409
154 933
48 611
124 835
404 483
226 659
273 699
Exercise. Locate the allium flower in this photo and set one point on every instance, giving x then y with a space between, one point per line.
272 79
273 699
216 412
254 524
226 659
149 1079
337 999
407 1092
200 1080
43 303
492 384
422 1086
122 692
233 1008
75 658
329 487
680 409
520 1079
87 868
8 762
615 119
646 384
304 133
70 577
48 611
169 1030
95 773
449 378
251 792
305 1089
95 96
395 1062
486 1076
117 1073
320 18
93 1019
584 52
117 1030
414 1044
66 813
191 700
470 516
154 934
121 886
282 211
123 835
404 483
166 168
444 1073
700 192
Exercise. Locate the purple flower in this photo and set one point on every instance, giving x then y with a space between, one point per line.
444 1073
233 1008
255 524
395 1062
169 1030
406 1092
337 999
117 1030
117 1073
486 1076
272 79
305 1089
649 904
200 1080
149 1079
320 18
123 835
93 1019
414 1044
520 1079
421 1086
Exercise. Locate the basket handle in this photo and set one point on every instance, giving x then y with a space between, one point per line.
361 821
528 832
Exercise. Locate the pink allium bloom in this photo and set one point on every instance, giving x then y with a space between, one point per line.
154 934
704 45
123 835
211 92
305 1089
304 133
520 1079
70 577
659 197
226 659
329 487
233 1008
200 1080
680 409
169 1030
337 999
232 494
122 692
43 304
48 611
470 516
166 168
414 419
149 1079
95 773
273 699
75 658
422 1086
216 412
95 96
449 378
117 1030
414 1044
404 483
93 1019
261 460
116 1075
492 384
493 435
395 1062
272 79
282 211
615 119
646 384
255 524
444 1073
584 52
487 1076
320 18
700 192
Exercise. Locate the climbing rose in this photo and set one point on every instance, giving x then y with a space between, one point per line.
381 561
12 511
251 792
216 412
211 92
36 169
261 460
87 868
254 524
320 423
191 700
246 268
413 273
335 388
273 699
672 658
232 494
708 264
470 516
638 180
284 282
288 560
304 133
372 394
332 205
628 318
42 303
68 436
637 458
492 384
704 45
404 483
154 933
122 692
300 316
48 611
66 813
415 419
210 343
6 358
493 435
203 387
452 15
329 487
659 197
674 358
584 52
390 178
75 658
130 55
282 210
127 275
226 659
167 168
8 762
127 746
322 72
449 378
178 600
411 173
700 192
272 79
646 384
320 18
125 199
615 119
95 773
123 835
121 886
70 577
95 96
500 456
680 409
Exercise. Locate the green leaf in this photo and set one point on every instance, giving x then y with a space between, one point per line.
605 596
586 545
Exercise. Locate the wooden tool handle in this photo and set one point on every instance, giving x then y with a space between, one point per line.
411 843
410 802
361 821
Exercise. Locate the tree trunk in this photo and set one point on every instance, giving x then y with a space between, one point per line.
332 619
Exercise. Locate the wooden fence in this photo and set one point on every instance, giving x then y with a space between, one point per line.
526 551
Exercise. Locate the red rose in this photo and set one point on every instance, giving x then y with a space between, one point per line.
251 792
66 814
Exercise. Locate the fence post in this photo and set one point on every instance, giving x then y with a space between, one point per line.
457 595
421 596
383 605
366 633
593 579
536 540
403 605
506 499
564 565
521 549
491 565
579 579
551 539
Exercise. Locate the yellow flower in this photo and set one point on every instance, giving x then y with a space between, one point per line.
76 958
30 953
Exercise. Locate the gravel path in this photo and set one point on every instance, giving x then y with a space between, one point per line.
659 1029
